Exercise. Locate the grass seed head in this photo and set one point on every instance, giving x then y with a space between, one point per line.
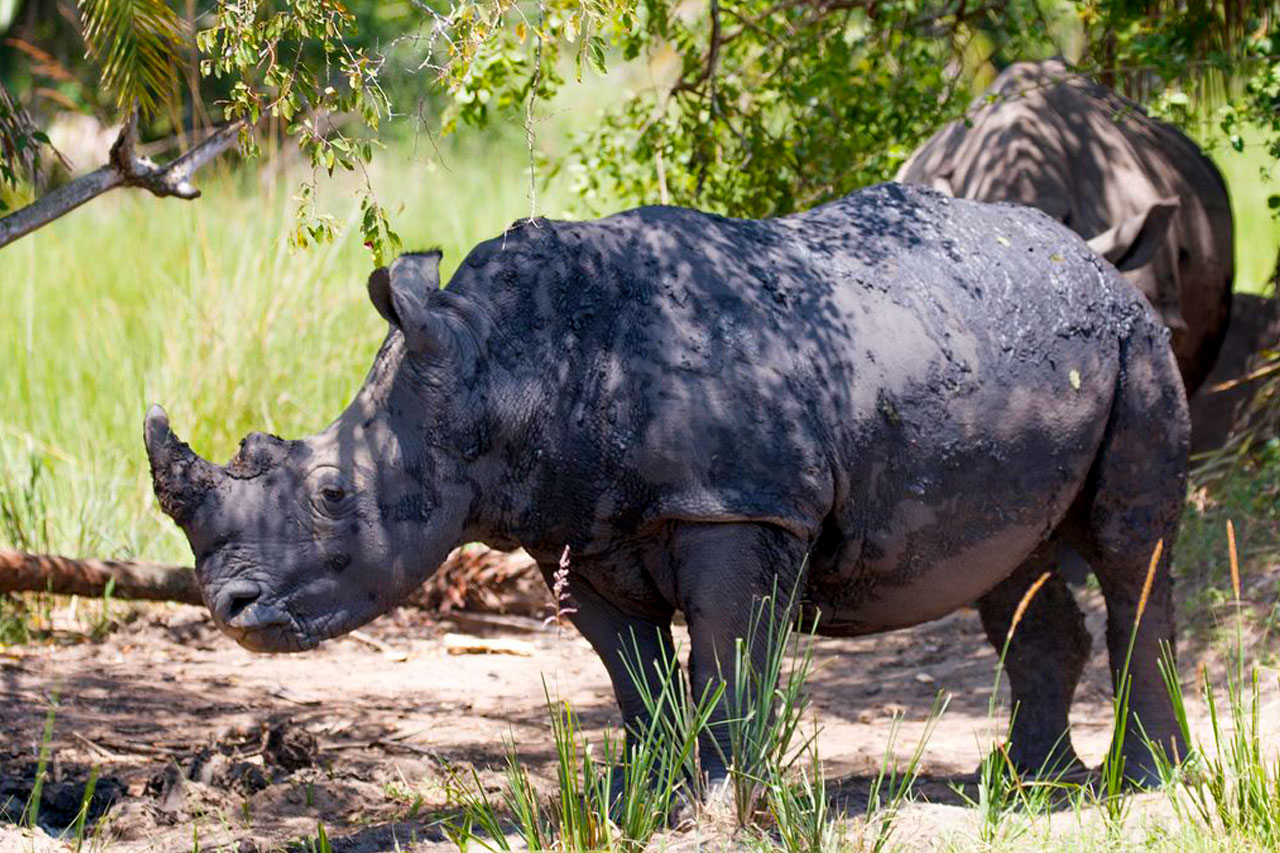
1234 558
1146 584
1024 604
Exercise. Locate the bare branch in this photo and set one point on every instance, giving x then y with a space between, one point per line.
126 168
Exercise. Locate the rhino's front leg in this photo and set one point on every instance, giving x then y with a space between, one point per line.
623 640
723 572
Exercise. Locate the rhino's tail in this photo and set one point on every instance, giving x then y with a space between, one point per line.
1138 484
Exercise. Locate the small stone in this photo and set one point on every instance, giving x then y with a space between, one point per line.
924 678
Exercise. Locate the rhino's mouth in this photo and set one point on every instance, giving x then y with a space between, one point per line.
278 628
249 606
269 629
275 639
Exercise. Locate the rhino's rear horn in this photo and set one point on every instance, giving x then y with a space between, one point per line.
181 479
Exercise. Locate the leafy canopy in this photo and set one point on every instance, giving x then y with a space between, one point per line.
747 107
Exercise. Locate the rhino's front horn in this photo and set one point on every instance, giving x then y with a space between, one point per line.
182 480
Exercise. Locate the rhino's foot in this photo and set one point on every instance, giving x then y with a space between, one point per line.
717 804
1142 770
683 805
1059 765
1143 777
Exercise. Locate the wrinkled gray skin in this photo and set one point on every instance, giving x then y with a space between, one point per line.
921 394
1141 192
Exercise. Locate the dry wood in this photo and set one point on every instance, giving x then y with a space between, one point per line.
127 168
22 572
389 652
479 623
473 578
480 579
100 750
462 644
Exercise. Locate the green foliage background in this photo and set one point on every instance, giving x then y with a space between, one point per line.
207 309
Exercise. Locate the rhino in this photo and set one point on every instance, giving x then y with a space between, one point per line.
894 404
1138 189
1222 408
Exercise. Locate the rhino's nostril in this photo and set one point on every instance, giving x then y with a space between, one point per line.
239 603
234 598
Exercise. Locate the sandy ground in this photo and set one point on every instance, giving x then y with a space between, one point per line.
197 738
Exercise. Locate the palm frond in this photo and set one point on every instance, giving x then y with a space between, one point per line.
20 142
136 42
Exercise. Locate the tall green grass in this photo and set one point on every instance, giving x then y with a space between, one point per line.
202 307
622 796
1229 784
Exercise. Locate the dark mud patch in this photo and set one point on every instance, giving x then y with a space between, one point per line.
62 796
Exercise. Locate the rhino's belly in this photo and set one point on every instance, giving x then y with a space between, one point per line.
874 597
924 533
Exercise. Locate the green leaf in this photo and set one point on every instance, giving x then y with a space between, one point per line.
595 52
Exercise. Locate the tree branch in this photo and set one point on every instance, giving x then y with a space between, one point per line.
713 55
22 572
126 167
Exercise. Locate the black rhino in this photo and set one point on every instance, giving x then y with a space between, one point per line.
920 394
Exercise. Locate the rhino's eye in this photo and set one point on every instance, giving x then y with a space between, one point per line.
331 499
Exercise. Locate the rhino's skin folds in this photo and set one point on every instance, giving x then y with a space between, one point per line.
915 397
1138 188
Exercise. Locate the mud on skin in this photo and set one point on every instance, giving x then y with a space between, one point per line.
921 394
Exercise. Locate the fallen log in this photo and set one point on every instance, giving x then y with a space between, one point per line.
23 572
473 578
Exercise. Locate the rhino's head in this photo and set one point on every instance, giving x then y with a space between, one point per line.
299 541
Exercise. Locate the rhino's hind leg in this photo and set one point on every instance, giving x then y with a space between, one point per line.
1132 504
1121 573
1046 656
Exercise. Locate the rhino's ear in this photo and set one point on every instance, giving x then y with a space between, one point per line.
1133 243
403 296
380 295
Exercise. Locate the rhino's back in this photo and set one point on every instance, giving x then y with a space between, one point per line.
1055 140
897 375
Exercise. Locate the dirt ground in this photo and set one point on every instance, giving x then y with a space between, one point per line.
202 744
